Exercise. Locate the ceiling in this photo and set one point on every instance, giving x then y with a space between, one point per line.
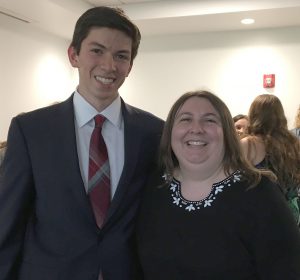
157 17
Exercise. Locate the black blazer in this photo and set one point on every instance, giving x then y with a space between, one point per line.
47 227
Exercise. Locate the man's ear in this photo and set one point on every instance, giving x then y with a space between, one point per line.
73 57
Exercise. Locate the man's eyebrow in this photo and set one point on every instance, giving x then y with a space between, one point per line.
96 44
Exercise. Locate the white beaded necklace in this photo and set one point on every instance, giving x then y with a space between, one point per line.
180 201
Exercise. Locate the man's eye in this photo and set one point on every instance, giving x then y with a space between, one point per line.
122 57
97 51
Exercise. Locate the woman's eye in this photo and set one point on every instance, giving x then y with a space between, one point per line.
211 120
185 119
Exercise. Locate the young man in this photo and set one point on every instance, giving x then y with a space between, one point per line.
48 226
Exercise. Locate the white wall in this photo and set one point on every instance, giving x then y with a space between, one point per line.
35 70
230 64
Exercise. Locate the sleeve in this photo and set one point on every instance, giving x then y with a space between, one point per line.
16 200
275 237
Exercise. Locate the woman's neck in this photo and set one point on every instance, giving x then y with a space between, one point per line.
196 184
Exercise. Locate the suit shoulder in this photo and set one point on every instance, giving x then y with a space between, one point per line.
142 113
144 119
44 113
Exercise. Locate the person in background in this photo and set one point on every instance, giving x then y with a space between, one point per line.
296 129
68 211
208 214
241 124
271 145
2 151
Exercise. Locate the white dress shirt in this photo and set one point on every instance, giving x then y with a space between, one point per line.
112 132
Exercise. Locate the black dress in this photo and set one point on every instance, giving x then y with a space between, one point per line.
234 233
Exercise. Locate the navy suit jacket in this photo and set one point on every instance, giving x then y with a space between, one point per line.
47 227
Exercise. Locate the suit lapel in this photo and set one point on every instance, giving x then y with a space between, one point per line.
69 157
132 142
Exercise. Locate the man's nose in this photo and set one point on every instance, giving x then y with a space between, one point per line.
107 62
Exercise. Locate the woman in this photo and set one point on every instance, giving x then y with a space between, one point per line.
212 215
296 129
271 145
241 124
2 151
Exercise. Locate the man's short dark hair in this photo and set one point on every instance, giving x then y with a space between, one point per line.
105 17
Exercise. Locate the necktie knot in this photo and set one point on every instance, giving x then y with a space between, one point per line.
99 120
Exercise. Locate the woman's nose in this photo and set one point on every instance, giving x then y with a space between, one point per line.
197 127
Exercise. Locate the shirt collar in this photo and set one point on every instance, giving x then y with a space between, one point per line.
85 112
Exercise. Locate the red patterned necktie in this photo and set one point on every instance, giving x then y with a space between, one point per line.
99 173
